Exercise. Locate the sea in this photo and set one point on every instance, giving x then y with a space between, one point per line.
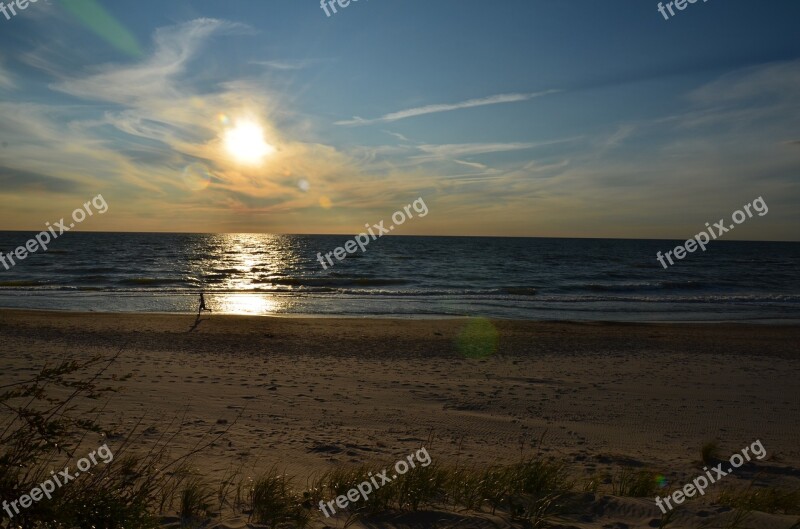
548 279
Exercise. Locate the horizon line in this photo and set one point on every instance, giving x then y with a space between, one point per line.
399 235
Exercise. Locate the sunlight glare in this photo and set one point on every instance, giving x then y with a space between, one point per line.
246 304
245 142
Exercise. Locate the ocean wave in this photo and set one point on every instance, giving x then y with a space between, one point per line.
520 291
149 281
710 298
683 285
605 287
339 281
635 286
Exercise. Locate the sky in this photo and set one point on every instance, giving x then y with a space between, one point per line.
539 118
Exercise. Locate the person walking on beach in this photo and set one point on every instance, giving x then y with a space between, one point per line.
202 305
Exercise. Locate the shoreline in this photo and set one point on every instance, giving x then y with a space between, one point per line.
787 322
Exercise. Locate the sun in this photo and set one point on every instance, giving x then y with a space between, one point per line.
245 142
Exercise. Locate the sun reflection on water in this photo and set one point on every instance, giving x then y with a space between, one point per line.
247 304
244 273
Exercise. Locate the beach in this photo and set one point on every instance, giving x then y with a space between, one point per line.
418 265
309 394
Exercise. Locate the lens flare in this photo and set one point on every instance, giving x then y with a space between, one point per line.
478 339
325 202
196 177
303 185
95 17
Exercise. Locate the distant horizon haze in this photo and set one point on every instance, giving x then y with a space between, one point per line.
350 234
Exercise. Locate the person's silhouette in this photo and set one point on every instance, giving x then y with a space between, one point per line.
202 305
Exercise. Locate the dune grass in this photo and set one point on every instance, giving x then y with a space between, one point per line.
709 452
636 484
274 502
195 500
46 423
40 429
530 490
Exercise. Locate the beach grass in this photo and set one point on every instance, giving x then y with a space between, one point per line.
710 452
636 484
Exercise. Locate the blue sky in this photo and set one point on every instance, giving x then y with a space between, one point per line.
521 118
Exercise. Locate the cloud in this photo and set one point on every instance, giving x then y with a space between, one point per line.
397 135
618 137
474 165
154 77
283 65
6 81
12 179
535 167
433 109
457 150
777 80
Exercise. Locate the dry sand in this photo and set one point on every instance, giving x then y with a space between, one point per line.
313 393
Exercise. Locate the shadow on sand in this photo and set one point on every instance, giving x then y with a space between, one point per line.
197 321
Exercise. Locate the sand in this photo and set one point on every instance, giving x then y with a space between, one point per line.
310 393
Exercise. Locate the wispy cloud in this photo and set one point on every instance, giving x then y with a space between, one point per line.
6 80
433 109
20 180
474 165
777 80
457 150
283 65
615 139
398 136
154 77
